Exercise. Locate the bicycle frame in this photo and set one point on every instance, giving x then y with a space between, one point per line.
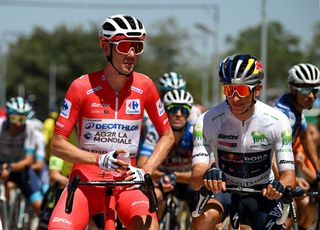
147 186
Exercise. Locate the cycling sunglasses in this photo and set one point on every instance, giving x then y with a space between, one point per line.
124 46
173 109
15 118
242 90
307 90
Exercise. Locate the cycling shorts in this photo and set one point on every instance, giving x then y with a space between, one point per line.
89 201
29 183
256 211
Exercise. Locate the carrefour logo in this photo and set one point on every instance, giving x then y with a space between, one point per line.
92 125
133 106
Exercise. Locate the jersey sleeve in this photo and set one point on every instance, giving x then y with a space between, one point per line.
201 150
30 140
150 142
40 152
70 110
55 163
304 123
283 145
156 110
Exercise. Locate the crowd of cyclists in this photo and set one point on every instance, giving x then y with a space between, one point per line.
117 124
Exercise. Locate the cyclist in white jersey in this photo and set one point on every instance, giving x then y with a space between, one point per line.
242 134
17 148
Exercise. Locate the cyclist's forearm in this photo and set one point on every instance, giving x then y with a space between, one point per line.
21 165
56 176
61 148
197 173
310 149
288 177
183 177
38 165
160 152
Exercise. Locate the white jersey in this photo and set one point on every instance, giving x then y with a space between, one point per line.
243 150
14 148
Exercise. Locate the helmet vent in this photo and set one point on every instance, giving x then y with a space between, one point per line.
108 26
299 75
131 22
134 34
121 23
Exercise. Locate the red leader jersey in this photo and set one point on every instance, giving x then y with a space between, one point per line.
107 120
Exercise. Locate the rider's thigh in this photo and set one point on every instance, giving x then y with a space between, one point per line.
132 203
212 215
77 219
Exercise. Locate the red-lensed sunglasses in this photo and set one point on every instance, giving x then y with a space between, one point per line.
242 90
124 46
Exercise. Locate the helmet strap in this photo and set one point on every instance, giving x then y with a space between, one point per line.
252 104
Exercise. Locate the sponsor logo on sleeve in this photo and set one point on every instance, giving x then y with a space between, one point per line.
286 137
65 111
160 107
133 106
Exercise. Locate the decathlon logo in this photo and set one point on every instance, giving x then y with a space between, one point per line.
65 111
133 106
90 125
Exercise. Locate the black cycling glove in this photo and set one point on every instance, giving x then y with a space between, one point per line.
214 174
277 185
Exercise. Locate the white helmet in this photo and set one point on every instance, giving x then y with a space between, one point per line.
178 97
171 80
122 26
304 73
18 105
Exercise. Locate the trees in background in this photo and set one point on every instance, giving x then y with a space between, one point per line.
75 51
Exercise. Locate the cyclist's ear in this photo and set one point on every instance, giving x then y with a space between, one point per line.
105 46
257 90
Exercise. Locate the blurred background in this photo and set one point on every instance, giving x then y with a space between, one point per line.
46 44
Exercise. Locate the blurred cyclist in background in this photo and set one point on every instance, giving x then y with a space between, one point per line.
175 172
172 80
304 83
17 149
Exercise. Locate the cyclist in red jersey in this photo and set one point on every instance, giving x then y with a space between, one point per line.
107 107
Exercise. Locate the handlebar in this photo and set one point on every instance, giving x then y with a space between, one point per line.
147 186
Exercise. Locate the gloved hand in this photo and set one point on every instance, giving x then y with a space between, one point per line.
214 174
107 161
214 180
277 186
167 182
137 174
274 190
171 176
